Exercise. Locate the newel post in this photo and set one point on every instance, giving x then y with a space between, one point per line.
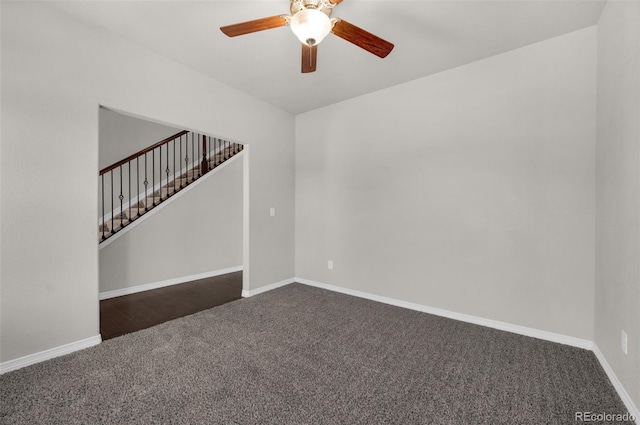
204 165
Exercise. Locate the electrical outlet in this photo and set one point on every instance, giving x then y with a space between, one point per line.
623 341
272 212
330 264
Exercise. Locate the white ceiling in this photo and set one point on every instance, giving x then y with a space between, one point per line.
429 36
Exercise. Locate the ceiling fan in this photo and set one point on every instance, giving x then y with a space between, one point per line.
310 21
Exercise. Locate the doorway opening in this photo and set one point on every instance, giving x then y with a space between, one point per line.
181 245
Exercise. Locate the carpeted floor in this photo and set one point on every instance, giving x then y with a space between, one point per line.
302 355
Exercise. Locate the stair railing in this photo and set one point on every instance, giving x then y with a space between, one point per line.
140 182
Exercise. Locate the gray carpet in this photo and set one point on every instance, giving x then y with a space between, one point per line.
302 355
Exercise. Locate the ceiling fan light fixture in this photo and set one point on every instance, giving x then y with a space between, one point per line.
311 26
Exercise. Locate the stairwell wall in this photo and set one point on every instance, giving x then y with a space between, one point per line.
199 232
56 71
121 135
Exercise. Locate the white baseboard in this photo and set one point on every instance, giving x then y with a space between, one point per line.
155 285
252 292
626 399
503 326
51 353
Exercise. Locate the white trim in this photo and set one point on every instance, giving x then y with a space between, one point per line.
51 353
166 202
262 289
246 219
175 281
503 326
626 399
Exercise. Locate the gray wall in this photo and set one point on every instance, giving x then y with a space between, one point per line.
121 135
200 231
471 190
53 81
617 291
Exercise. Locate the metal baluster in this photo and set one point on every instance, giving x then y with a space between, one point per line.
121 197
103 224
186 160
138 185
160 174
167 171
112 232
215 151
179 162
174 166
204 166
209 155
208 150
153 178
146 184
216 160
129 193
202 149
193 154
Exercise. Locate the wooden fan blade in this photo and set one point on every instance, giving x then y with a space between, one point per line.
361 38
309 57
254 26
335 1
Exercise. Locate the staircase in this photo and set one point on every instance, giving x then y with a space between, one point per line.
135 185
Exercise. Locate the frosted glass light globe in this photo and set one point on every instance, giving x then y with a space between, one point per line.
310 26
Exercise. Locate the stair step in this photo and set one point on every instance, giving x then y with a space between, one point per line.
164 192
138 210
191 174
117 225
122 215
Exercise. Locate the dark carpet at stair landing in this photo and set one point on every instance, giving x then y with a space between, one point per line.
302 355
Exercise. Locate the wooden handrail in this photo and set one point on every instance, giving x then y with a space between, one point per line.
142 152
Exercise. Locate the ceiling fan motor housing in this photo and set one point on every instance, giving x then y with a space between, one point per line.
323 6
